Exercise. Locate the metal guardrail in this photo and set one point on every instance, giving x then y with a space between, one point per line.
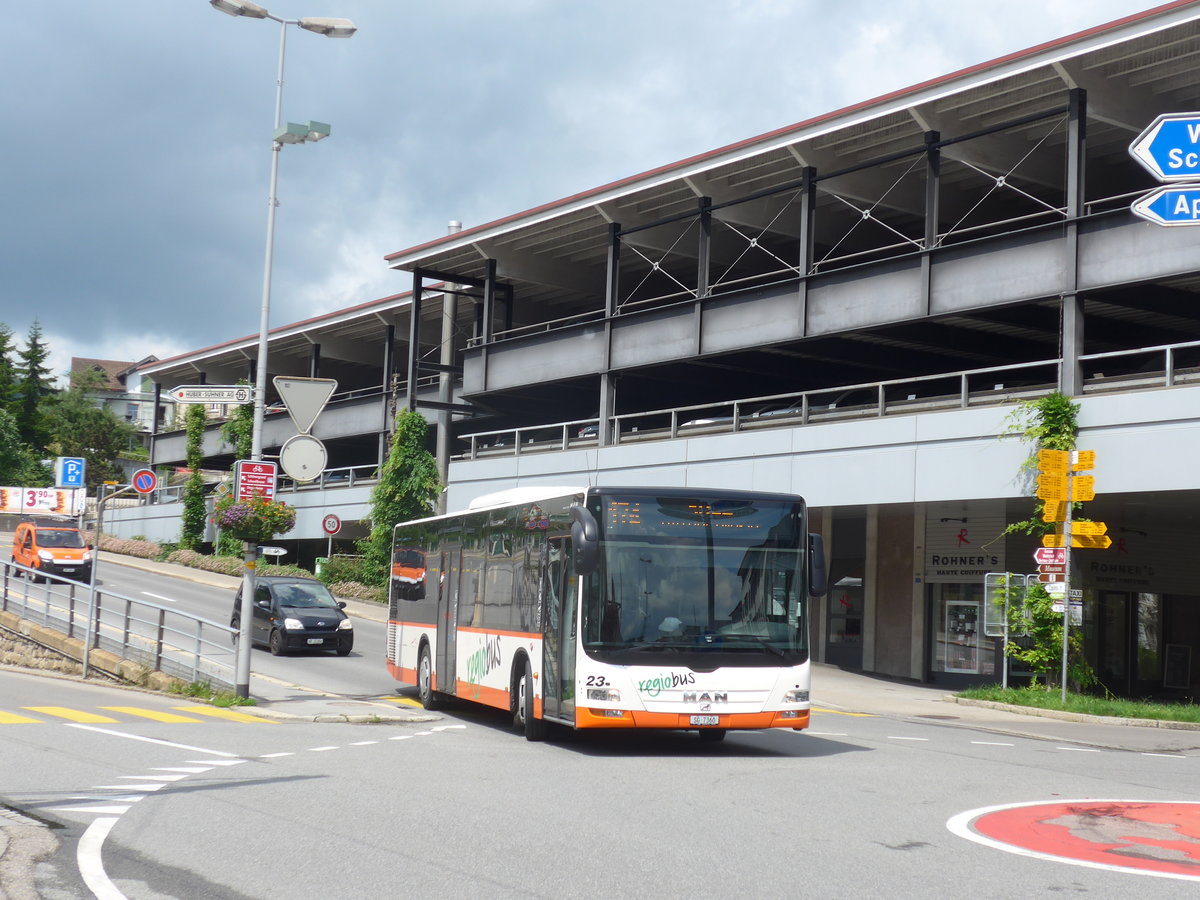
166 640
1142 368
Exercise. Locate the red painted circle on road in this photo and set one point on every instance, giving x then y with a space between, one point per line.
1147 837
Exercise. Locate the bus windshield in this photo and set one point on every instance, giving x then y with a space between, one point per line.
695 575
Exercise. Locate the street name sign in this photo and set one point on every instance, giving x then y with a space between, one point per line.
1169 148
213 393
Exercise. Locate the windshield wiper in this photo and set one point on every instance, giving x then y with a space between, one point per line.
757 638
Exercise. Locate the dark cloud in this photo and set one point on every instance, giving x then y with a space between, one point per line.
137 150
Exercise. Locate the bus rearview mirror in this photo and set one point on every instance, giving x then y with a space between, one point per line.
585 540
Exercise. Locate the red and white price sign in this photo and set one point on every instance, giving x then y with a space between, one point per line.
253 478
332 524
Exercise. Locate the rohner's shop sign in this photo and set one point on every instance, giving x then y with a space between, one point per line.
962 541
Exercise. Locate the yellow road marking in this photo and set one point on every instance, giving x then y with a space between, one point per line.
218 712
402 701
14 719
155 714
839 712
73 715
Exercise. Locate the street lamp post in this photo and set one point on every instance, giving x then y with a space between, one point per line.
291 133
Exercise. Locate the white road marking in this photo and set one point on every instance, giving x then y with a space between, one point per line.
320 749
1167 755
992 744
109 810
1079 749
362 743
276 755
159 597
91 866
894 737
138 737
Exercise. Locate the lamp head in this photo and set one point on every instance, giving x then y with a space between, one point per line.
240 8
337 28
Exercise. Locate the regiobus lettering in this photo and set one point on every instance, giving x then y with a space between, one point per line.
611 608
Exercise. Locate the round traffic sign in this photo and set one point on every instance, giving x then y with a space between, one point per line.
144 481
331 523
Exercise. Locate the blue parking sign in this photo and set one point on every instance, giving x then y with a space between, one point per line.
69 472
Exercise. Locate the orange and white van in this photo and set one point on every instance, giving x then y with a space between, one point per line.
52 547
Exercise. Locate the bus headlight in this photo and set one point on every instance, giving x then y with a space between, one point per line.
796 696
607 695
293 624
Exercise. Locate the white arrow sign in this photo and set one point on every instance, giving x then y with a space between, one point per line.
212 393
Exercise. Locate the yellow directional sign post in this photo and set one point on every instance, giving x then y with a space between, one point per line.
1090 529
1083 460
1054 461
1078 541
1054 510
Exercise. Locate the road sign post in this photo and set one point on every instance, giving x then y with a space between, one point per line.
331 525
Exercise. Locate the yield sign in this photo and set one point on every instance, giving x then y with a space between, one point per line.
305 398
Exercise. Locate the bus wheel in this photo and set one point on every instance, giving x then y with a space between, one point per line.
712 735
428 696
535 729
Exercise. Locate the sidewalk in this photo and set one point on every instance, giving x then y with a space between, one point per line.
833 690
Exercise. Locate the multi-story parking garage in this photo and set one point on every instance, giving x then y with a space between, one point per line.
850 308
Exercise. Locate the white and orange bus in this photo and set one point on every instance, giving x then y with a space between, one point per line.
611 607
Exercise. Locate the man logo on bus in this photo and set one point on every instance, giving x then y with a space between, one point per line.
706 698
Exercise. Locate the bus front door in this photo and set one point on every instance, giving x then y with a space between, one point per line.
447 624
558 646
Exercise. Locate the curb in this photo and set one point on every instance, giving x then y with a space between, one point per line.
1065 716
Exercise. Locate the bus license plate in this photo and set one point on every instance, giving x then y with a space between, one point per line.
706 720
316 640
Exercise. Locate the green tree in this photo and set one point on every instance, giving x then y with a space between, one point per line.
33 386
194 511
408 488
76 426
19 466
8 370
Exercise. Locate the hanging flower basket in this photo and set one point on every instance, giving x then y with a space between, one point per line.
255 520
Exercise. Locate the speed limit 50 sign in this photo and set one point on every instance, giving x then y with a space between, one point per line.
331 523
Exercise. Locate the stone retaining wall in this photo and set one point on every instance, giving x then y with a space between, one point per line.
32 646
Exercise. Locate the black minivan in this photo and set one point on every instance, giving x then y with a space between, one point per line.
292 613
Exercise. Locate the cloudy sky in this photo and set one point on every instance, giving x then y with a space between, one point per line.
136 153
